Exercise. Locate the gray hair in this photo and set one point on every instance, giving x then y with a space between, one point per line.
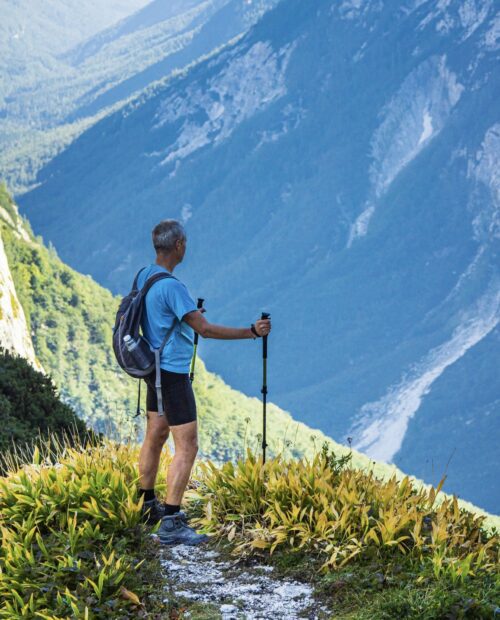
166 233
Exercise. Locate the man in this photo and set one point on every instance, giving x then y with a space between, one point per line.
168 305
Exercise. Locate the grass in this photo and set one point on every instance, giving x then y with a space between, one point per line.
73 545
379 591
72 541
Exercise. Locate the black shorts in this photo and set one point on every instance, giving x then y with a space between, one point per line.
178 397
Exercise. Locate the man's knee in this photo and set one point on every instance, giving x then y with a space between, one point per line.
158 435
188 449
161 436
195 448
191 449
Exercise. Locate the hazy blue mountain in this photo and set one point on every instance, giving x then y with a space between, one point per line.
57 25
194 28
58 92
338 167
32 34
155 12
469 392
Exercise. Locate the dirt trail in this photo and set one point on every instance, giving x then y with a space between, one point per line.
240 592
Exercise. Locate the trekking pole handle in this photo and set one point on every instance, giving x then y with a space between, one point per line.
195 348
264 316
199 305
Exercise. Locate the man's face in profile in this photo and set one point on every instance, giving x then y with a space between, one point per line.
180 246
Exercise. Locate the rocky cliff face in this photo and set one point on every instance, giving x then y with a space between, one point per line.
14 333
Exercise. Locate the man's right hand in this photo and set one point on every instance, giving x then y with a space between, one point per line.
263 326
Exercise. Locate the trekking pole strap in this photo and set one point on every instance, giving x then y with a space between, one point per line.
159 395
199 305
158 353
138 412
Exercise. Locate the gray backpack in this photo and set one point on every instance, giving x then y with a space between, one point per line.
132 351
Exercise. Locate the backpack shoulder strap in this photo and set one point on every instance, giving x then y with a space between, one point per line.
149 283
134 285
153 279
157 352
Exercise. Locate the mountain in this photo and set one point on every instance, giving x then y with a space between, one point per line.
30 408
337 167
55 91
29 28
34 36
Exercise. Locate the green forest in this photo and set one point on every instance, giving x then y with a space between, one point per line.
29 405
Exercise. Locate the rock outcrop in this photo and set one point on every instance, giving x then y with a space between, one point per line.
14 333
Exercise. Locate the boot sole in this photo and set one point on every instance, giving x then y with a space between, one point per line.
182 542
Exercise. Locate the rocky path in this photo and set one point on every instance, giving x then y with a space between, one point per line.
238 592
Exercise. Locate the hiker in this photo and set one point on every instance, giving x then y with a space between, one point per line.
169 306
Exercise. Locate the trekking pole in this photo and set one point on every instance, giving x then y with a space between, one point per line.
265 315
193 361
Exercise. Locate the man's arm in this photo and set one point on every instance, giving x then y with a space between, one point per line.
199 323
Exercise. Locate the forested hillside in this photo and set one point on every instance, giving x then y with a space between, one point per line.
61 74
30 408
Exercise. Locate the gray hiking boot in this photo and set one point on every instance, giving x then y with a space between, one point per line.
152 511
174 530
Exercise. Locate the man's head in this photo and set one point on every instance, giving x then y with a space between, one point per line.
169 240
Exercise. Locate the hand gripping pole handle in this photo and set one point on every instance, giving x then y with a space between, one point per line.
199 305
264 316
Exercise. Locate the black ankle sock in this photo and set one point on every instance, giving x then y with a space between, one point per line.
149 494
170 509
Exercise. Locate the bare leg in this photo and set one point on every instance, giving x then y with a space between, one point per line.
186 447
157 431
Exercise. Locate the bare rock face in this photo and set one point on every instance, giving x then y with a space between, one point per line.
14 334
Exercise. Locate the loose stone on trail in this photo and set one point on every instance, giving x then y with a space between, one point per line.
241 592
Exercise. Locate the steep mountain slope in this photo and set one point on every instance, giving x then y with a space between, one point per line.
30 28
77 87
333 169
32 35
469 391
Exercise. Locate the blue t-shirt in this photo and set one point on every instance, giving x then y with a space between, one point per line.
166 303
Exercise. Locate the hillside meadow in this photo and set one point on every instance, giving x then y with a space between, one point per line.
73 545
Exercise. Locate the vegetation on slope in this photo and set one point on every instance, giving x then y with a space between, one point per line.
73 546
71 539
29 404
